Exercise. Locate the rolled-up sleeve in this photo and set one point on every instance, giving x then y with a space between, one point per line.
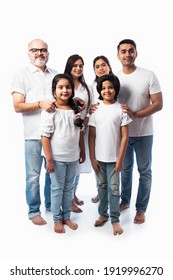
47 123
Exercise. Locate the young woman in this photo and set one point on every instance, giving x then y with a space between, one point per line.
75 69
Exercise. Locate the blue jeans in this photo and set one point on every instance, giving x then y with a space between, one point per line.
76 182
108 191
33 164
47 184
142 147
62 189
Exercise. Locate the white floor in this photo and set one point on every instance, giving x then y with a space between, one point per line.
25 240
24 244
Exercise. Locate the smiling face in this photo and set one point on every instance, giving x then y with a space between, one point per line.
127 55
108 92
38 53
101 68
63 91
77 69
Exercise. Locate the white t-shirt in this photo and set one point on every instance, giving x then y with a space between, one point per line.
107 120
134 91
59 125
95 94
35 85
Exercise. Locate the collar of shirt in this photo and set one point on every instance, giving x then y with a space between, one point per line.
33 68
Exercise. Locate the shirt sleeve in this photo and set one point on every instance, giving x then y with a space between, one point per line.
47 123
125 119
17 84
92 120
154 86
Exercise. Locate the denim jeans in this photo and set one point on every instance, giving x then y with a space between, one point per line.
142 147
47 184
108 191
62 189
76 182
33 164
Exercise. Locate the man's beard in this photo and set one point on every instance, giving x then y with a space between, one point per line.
39 63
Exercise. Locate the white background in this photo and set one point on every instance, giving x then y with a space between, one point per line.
89 28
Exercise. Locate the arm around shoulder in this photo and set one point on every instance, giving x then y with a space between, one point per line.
155 106
21 106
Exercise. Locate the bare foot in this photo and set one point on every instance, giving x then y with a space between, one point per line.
75 208
58 227
78 201
70 224
38 220
101 221
95 199
117 229
124 206
139 218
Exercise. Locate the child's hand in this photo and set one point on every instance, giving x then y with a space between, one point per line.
82 157
50 167
118 166
95 165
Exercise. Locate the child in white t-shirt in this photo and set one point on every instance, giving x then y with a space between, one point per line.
108 137
63 146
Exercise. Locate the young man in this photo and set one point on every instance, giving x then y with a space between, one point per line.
141 97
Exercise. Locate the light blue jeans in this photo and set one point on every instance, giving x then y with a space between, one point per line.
142 147
47 184
33 164
62 189
108 191
75 183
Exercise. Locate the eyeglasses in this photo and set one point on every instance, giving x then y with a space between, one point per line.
34 50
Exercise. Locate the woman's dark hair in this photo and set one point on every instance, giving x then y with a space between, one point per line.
78 121
106 60
113 79
68 67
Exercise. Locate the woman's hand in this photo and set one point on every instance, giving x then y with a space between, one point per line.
79 103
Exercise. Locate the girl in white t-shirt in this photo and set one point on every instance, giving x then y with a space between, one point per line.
63 146
108 137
